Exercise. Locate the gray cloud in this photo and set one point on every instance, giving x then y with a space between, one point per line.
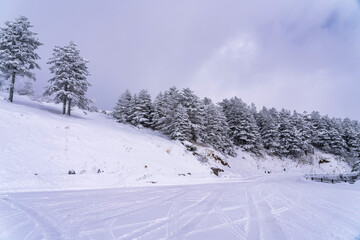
301 55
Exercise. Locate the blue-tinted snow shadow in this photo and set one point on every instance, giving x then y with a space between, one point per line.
40 106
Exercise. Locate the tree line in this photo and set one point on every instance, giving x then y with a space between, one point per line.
182 115
18 58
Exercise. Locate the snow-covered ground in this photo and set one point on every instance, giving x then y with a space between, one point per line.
275 207
39 146
256 198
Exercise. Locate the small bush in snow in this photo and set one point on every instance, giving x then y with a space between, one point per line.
72 171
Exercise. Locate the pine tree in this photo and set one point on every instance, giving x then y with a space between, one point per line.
159 113
351 137
319 132
143 109
131 109
302 131
337 143
180 128
17 51
289 139
194 110
164 116
243 128
69 84
269 132
122 109
216 129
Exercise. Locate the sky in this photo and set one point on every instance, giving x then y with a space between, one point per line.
299 55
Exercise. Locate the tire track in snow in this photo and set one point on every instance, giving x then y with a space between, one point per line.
237 232
315 210
149 203
202 208
170 225
270 228
172 222
48 230
252 227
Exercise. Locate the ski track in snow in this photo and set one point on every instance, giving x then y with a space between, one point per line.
243 210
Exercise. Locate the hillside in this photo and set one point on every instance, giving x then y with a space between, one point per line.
39 146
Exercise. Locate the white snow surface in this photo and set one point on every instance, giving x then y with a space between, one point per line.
256 198
276 207
39 146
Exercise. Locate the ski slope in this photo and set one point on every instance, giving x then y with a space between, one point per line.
275 207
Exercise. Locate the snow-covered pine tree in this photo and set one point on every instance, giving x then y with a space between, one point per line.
69 84
143 108
180 127
159 113
319 132
243 128
290 141
122 109
269 132
17 51
337 143
131 108
169 104
351 137
216 128
302 131
195 112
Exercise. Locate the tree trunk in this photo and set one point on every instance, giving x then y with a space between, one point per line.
65 100
11 95
69 107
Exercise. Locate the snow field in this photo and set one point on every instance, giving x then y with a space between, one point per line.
40 146
274 207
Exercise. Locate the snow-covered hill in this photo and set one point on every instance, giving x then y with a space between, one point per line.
39 146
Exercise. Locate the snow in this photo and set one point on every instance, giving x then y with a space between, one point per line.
40 146
144 189
274 207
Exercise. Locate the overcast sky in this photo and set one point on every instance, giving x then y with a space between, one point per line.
300 55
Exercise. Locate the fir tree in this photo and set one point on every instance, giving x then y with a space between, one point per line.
180 128
302 131
194 110
269 132
243 128
289 139
69 84
169 104
159 113
319 133
216 129
336 142
17 51
351 137
122 109
143 109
